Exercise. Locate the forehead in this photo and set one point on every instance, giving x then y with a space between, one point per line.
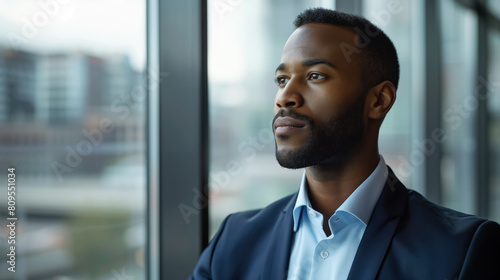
321 41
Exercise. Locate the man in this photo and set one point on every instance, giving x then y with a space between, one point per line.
351 218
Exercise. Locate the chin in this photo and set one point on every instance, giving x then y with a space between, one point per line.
291 158
308 156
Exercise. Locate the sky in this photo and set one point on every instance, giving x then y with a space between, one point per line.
99 27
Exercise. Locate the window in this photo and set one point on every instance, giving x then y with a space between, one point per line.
492 84
459 70
70 75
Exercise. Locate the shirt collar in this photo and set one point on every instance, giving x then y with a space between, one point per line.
360 203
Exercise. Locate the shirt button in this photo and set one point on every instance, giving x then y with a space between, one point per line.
336 219
311 212
324 254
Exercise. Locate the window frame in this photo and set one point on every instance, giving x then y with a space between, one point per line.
177 137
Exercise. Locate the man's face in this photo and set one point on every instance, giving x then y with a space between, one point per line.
319 106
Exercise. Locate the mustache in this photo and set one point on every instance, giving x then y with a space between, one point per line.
291 113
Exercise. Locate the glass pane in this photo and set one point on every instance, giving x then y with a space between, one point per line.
492 84
494 7
459 39
245 40
72 123
395 18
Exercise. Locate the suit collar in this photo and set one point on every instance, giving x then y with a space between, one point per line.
380 230
374 244
280 245
359 204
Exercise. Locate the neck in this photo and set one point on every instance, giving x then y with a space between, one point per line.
330 185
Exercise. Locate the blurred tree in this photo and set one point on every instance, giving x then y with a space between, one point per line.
97 243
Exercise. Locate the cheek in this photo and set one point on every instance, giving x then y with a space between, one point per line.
334 100
321 114
325 107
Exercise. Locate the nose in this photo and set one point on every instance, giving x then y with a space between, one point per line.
289 96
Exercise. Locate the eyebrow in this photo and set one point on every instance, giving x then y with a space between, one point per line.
309 62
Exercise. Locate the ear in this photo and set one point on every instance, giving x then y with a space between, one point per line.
380 99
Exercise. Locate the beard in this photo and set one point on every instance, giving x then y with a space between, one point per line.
330 143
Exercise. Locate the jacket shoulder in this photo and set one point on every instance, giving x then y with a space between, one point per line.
242 240
269 214
443 242
440 216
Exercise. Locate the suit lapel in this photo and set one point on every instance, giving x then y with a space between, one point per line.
380 230
278 253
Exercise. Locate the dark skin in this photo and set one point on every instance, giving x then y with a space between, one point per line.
322 91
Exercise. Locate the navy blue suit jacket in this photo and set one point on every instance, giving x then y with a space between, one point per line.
407 237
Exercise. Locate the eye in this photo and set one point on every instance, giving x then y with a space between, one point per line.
316 76
281 81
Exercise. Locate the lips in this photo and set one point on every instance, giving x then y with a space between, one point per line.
287 124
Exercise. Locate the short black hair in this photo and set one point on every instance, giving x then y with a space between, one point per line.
380 59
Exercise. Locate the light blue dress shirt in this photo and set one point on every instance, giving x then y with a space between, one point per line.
316 256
